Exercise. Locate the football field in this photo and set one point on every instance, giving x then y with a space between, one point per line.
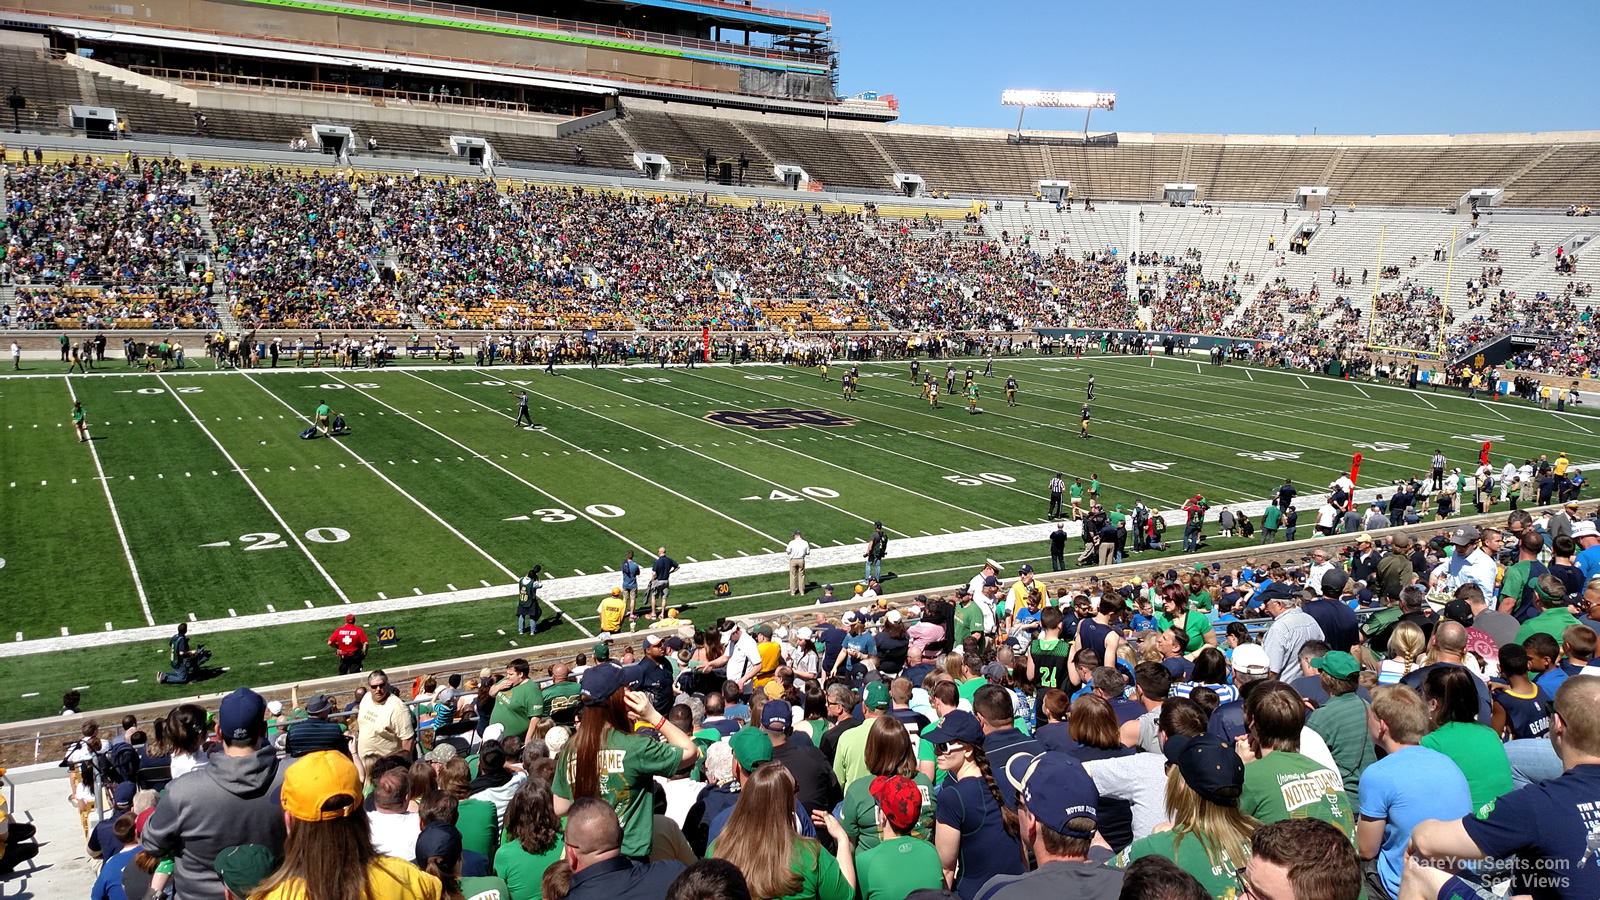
197 501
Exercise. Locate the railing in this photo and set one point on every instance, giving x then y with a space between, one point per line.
570 26
471 64
491 15
255 83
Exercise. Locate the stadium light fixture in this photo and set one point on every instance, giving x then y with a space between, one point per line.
1089 101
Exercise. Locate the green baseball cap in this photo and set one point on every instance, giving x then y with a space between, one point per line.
1338 664
244 867
876 696
601 652
751 748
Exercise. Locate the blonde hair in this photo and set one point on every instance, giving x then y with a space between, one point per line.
1221 829
1406 644
1404 712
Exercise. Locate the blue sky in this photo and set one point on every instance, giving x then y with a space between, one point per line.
1357 67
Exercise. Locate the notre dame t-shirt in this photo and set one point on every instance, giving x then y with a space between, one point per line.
625 764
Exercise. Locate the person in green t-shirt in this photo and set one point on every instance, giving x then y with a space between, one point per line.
901 862
888 752
518 702
321 419
1279 782
1475 748
606 759
1271 520
562 698
533 839
1175 613
1210 836
969 616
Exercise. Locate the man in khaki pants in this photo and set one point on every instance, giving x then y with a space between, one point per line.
798 550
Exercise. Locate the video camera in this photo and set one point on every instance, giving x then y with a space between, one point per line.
198 657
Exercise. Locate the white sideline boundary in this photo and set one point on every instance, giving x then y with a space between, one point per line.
116 518
581 586
259 496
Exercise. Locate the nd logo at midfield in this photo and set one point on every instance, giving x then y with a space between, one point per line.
779 417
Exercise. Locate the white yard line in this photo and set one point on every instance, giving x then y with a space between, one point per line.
116 518
259 496
1574 424
1146 416
904 431
687 449
831 465
1525 438
402 492
581 449
565 505
574 587
1398 404
1497 412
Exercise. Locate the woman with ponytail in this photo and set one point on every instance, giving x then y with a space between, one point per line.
181 734
974 831
606 759
439 855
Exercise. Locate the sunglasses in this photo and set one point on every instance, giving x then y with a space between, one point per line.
944 747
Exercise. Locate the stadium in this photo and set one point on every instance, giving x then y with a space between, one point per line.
278 274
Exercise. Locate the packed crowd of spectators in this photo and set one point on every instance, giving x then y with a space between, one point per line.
1362 722
298 250
92 243
163 306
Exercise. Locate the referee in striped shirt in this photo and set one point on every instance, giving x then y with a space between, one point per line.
1057 485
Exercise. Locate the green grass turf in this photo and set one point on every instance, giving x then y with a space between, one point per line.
435 491
125 673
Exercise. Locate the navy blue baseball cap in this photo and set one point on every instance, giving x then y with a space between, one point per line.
776 716
240 714
1208 765
601 681
1056 788
959 726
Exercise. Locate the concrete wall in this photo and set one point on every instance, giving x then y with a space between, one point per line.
313 108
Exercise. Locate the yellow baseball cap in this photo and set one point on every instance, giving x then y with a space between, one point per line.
315 780
616 592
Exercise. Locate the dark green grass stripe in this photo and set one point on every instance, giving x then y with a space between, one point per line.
1386 422
104 668
1229 480
160 473
64 565
654 453
394 547
584 480
995 430
803 444
778 457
